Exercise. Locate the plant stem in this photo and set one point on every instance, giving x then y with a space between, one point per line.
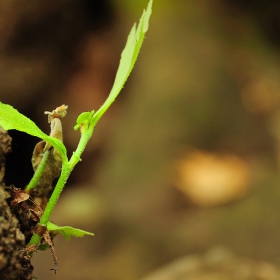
65 173
39 171
76 157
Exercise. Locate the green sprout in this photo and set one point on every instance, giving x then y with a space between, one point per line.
10 118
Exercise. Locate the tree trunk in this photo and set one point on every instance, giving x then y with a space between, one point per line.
13 263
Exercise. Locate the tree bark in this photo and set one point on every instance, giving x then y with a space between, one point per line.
13 263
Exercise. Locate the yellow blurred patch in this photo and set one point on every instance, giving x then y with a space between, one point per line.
211 179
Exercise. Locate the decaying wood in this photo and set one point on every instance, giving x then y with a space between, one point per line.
5 148
30 213
14 265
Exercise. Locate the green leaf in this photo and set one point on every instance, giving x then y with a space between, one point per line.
10 118
128 59
67 231
83 121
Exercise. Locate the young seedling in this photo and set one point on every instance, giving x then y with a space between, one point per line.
10 118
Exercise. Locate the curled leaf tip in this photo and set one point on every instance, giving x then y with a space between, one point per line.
59 112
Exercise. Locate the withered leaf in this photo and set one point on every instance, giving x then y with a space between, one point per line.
25 203
18 195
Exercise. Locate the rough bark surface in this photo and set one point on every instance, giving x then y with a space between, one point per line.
13 264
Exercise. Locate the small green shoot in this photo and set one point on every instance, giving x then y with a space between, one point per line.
84 121
10 118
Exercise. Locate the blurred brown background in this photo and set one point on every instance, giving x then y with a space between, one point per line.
182 173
